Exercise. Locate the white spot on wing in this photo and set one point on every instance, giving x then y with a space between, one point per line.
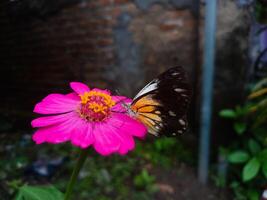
153 132
171 113
148 88
178 90
182 122
175 73
173 133
180 132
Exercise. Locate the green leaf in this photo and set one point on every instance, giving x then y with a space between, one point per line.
235 184
228 113
242 111
264 168
253 194
240 127
251 169
143 179
262 156
39 193
238 157
254 146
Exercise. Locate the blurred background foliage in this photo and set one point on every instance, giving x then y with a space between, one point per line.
247 152
103 178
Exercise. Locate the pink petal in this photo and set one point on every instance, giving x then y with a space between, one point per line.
126 140
73 96
57 133
49 134
51 120
106 142
127 125
116 134
103 91
79 88
120 98
121 101
56 103
82 135
127 144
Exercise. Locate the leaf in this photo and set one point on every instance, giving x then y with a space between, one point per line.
251 169
240 127
258 93
261 105
263 155
254 146
260 119
39 193
228 113
253 194
238 157
143 179
260 84
242 111
264 168
234 184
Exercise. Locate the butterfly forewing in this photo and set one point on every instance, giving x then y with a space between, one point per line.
162 104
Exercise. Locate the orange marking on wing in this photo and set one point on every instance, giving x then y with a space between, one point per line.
144 102
143 108
148 123
147 109
152 116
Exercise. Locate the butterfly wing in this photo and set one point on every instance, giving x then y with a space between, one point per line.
162 104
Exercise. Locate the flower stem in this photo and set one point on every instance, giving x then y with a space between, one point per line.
75 173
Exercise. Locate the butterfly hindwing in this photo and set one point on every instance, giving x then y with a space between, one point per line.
162 104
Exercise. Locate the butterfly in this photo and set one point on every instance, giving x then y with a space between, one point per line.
162 104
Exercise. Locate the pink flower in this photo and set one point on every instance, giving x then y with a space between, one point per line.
87 117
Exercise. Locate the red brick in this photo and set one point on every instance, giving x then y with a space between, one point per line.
47 54
167 27
98 40
121 1
105 2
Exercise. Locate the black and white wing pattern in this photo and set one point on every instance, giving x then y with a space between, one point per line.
163 103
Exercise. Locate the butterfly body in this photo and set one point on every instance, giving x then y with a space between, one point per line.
162 104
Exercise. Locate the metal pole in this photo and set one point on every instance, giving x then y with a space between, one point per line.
207 89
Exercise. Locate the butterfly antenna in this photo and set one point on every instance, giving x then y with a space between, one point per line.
122 101
117 92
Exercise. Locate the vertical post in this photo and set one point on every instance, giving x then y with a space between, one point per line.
207 89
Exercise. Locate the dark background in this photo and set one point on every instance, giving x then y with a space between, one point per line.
119 45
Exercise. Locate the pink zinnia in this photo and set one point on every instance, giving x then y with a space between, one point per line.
87 117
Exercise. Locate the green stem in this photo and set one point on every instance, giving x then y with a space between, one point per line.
75 173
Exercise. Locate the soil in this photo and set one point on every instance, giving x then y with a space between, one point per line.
182 184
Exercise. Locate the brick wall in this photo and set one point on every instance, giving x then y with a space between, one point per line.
118 44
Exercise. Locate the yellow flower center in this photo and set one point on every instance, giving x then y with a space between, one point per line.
95 106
